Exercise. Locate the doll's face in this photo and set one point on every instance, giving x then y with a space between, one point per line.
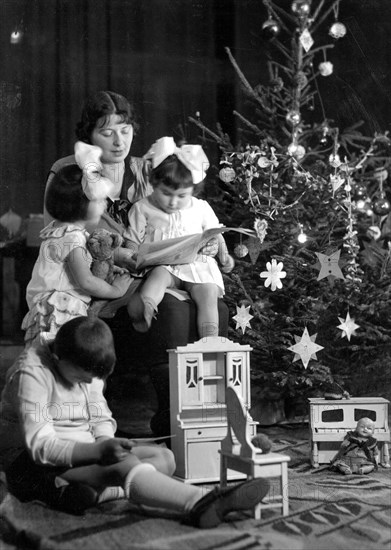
365 427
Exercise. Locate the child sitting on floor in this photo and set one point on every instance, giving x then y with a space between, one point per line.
57 440
358 453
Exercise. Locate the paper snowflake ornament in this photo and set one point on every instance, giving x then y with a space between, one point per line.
329 265
305 348
242 318
273 275
348 326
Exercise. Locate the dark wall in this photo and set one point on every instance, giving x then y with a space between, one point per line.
166 55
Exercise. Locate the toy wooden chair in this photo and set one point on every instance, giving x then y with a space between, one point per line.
241 455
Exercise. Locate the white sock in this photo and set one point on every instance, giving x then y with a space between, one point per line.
111 493
145 485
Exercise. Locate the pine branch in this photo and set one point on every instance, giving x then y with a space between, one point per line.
221 141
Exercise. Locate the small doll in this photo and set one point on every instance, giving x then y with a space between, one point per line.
358 453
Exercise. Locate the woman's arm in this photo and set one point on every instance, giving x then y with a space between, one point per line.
79 267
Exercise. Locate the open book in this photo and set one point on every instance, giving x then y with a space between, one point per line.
181 250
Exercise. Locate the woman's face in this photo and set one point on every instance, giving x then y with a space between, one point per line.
114 138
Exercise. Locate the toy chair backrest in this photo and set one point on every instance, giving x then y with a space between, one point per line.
238 423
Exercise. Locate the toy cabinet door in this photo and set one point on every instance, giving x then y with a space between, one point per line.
238 374
191 375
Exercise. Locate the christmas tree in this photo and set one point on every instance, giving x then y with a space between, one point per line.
311 294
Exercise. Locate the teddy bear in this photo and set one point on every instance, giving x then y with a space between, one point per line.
101 245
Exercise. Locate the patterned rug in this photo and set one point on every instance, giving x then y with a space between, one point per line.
326 510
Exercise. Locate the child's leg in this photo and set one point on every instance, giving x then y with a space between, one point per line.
205 295
366 469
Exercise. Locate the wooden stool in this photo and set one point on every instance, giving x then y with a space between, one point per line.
241 455
331 419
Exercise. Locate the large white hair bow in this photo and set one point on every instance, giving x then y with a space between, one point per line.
95 186
192 156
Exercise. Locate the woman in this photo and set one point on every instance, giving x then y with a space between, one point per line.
108 120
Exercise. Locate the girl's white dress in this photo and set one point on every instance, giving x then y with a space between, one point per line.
51 295
147 223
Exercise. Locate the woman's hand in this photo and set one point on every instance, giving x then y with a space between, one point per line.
114 450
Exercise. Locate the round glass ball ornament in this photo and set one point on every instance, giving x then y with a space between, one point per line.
270 29
380 175
293 117
337 30
381 207
241 250
227 174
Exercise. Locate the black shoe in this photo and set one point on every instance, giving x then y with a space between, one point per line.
75 498
212 509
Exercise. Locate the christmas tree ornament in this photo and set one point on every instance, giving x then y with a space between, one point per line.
359 191
260 227
374 232
305 348
296 151
381 206
337 30
335 160
301 8
273 275
329 265
293 117
241 250
348 326
254 248
302 237
306 40
325 68
277 84
242 318
270 29
227 174
380 175
336 181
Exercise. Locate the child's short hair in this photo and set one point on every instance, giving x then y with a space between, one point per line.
102 105
88 343
172 173
65 200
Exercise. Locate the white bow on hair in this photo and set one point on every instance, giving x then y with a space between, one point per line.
192 156
95 186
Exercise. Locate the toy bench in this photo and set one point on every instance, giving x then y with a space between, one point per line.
331 419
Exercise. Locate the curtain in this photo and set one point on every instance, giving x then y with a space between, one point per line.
160 54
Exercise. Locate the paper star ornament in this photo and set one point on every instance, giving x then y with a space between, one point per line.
305 348
348 326
242 318
273 275
329 265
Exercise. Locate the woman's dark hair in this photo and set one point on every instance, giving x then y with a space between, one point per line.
102 105
88 343
172 173
65 200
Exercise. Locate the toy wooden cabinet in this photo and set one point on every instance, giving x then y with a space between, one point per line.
330 420
199 375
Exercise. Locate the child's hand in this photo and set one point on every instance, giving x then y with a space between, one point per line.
121 283
211 248
228 265
119 270
114 450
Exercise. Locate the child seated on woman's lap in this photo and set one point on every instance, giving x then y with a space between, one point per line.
172 211
57 440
